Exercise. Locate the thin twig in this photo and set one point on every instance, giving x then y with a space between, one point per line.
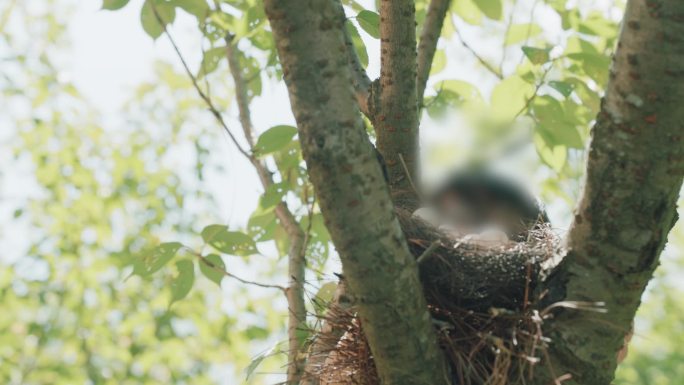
288 222
428 252
208 263
479 58
509 23
195 84
432 28
529 28
408 176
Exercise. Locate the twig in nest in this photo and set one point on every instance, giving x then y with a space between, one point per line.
428 252
408 176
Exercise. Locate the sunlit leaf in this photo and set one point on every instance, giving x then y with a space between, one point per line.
154 23
272 196
359 45
521 32
537 55
563 87
256 361
197 8
465 90
468 11
212 267
553 156
274 139
326 292
229 242
182 283
113 5
262 226
370 22
510 96
493 9
157 258
211 60
439 62
594 65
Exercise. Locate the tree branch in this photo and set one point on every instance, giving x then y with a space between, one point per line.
395 113
432 28
297 250
204 96
380 271
634 174
360 80
479 58
296 253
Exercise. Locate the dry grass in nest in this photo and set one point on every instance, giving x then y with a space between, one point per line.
488 339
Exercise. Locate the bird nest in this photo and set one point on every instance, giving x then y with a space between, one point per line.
483 302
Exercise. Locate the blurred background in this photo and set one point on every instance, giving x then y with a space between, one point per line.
106 150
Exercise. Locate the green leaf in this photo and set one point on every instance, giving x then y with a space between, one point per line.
113 5
537 55
274 139
521 32
229 242
326 292
182 283
156 259
355 5
370 22
493 9
594 65
555 126
272 196
256 361
590 98
563 87
510 96
150 23
359 45
262 225
212 267
468 11
198 8
439 62
211 60
553 156
463 89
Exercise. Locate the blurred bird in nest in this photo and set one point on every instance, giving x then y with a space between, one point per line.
483 208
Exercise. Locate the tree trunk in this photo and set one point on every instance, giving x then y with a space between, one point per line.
354 199
634 174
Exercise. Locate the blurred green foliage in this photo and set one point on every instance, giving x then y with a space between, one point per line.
115 247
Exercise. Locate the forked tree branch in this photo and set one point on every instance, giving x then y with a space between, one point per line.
634 174
432 28
380 271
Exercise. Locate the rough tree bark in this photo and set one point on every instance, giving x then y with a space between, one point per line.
353 197
394 109
634 174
